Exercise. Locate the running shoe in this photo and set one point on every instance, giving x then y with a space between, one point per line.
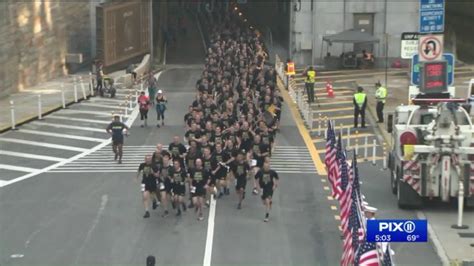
147 214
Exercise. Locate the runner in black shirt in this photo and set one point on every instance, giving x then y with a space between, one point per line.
165 183
221 176
193 134
116 129
178 180
260 150
217 136
177 150
199 182
267 181
148 185
240 169
211 165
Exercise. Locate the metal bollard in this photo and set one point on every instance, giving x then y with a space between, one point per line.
126 109
348 143
75 89
384 158
83 88
91 84
40 109
319 124
12 112
366 148
374 152
129 99
310 117
356 143
325 127
63 98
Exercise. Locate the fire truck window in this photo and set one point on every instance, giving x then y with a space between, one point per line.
462 119
426 119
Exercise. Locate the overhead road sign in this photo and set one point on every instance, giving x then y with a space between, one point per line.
409 46
431 16
415 69
431 47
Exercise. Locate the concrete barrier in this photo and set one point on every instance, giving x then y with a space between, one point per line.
141 70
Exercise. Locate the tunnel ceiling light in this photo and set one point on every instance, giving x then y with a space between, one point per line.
240 13
245 20
236 8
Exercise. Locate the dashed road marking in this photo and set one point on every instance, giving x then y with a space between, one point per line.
101 130
43 144
58 135
18 168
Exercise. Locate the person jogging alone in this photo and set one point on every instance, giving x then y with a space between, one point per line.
116 129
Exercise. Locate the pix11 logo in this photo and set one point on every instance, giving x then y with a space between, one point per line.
397 230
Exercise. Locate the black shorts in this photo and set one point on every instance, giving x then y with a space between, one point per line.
241 183
267 193
143 114
179 189
167 186
117 141
149 185
212 180
200 191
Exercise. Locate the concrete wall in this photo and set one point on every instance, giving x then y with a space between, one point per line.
330 17
35 37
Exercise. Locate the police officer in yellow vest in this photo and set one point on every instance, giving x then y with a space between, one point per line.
309 83
360 103
380 95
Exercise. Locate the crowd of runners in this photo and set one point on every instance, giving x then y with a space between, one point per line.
230 130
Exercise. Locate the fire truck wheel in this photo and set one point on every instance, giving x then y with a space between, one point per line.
407 198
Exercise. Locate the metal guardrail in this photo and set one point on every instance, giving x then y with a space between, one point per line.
296 94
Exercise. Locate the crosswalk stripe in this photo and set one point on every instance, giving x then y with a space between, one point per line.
335 128
333 110
335 117
78 119
58 135
74 111
43 144
31 156
18 168
69 127
344 137
106 100
104 106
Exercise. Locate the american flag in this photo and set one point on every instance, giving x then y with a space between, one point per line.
367 255
345 203
387 257
330 158
356 201
340 157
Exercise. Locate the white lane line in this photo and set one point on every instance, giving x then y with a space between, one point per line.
103 106
58 135
129 123
210 232
43 144
17 168
79 119
69 127
31 156
95 222
74 111
2 182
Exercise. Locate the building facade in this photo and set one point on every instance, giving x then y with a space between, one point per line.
311 20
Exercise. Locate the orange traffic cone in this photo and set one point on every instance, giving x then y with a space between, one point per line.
329 89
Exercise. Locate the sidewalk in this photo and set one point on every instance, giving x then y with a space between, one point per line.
26 102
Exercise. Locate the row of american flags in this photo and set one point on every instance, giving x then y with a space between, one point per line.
345 187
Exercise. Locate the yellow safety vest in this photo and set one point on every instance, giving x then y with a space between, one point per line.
311 76
381 94
360 98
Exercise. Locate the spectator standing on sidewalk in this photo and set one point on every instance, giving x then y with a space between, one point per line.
160 107
380 95
360 103
99 78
